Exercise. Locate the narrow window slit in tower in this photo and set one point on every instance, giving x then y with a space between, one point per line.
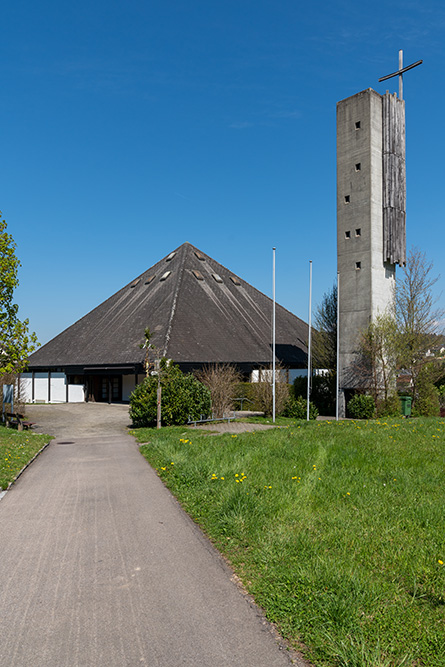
347 235
358 166
358 232
357 125
347 199
358 266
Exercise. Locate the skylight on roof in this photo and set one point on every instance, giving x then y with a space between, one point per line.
235 280
217 278
165 275
150 279
198 275
200 256
170 257
135 282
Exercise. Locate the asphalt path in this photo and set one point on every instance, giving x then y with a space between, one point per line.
101 567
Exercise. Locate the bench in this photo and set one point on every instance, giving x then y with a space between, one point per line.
205 420
18 420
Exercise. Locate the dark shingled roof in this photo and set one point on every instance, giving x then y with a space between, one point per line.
198 311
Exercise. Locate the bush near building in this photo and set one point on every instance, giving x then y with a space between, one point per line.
183 397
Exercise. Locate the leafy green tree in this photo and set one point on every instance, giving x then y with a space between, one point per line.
324 347
183 396
324 354
16 341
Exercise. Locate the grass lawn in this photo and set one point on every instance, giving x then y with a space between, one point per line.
337 529
16 450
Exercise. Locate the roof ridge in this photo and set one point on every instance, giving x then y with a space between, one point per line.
174 301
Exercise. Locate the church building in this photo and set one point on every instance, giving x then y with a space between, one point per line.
199 313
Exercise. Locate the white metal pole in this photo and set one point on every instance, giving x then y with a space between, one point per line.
309 365
273 337
337 378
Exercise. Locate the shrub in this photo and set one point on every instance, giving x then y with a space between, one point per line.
361 406
389 407
427 403
245 390
322 392
183 396
221 380
426 398
263 391
297 409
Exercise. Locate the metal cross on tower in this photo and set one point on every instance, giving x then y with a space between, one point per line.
400 72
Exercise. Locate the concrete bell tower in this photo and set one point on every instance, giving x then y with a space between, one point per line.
371 212
371 195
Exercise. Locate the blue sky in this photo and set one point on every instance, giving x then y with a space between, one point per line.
129 128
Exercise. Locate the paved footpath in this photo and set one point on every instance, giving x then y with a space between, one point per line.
101 567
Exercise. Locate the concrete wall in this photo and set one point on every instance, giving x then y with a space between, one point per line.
128 385
366 281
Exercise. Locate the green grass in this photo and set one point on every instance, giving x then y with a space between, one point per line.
335 528
16 450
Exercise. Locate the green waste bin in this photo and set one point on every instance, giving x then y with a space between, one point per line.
406 405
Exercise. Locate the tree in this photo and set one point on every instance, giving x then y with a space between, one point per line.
324 353
324 348
418 324
378 357
398 341
152 350
149 350
16 341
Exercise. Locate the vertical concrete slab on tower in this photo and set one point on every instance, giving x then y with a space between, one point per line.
366 276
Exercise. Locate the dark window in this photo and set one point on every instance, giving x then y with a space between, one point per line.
358 166
347 199
347 235
357 125
358 266
358 232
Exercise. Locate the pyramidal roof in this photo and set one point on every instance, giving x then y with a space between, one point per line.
198 312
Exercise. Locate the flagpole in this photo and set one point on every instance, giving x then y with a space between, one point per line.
273 336
309 368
